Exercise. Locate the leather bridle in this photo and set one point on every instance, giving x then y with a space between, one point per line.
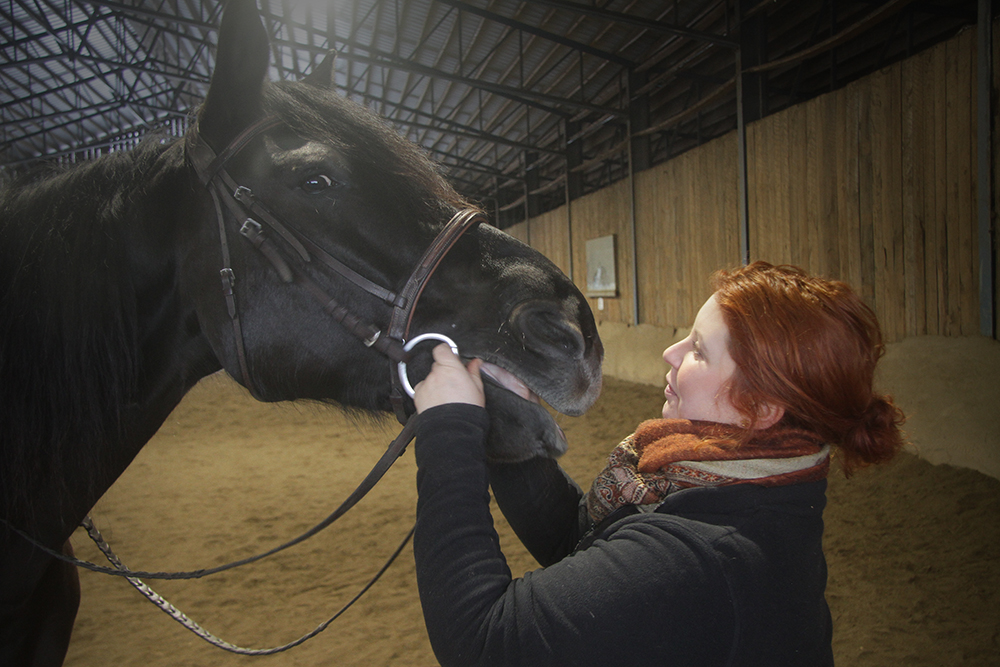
244 205
258 224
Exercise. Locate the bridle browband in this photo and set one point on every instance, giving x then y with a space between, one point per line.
257 220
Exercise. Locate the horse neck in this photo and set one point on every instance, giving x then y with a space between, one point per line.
93 350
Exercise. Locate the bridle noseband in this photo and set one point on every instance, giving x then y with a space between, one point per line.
257 220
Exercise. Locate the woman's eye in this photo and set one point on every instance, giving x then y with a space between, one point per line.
316 184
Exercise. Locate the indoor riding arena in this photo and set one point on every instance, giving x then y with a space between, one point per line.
639 146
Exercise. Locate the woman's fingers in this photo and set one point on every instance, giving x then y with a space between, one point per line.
450 382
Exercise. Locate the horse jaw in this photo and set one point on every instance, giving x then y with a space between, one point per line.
520 428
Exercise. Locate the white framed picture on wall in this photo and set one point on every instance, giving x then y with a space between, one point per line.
602 276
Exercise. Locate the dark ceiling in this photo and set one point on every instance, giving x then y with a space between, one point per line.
523 103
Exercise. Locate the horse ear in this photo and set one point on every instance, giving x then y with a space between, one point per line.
241 62
322 74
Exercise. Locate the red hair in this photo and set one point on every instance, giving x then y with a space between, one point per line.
809 346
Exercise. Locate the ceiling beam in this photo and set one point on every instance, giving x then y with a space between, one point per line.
639 22
539 32
390 61
158 15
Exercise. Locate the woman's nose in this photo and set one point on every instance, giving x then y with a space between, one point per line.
672 355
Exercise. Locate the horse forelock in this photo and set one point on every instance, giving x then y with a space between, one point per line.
69 353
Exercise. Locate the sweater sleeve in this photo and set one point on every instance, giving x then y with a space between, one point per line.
645 594
543 506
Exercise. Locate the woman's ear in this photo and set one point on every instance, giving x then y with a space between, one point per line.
769 415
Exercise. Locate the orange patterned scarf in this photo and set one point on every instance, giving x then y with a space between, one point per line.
666 455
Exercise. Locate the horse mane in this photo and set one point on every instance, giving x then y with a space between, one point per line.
69 355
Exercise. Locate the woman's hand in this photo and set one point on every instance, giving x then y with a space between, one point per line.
450 381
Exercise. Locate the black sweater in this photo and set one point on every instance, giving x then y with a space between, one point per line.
716 576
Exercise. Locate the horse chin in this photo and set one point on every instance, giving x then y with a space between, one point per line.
520 429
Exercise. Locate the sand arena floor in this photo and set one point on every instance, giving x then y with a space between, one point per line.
913 548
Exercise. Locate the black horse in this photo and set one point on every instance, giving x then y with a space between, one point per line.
111 306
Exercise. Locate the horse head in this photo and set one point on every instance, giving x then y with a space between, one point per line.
340 182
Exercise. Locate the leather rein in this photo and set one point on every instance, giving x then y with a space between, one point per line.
259 223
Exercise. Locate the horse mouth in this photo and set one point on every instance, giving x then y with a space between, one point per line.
510 382
512 403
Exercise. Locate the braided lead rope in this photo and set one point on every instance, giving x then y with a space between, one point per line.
393 452
194 627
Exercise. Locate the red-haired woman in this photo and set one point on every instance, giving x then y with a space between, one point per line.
701 542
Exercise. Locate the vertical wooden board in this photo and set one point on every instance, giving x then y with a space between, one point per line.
519 231
812 194
767 193
678 283
728 215
696 187
656 236
913 158
757 188
549 235
671 236
957 131
996 179
790 190
800 153
762 222
874 130
938 228
672 233
647 263
865 227
887 201
777 168
965 106
968 189
894 205
751 186
970 301
828 179
849 194
775 218
690 228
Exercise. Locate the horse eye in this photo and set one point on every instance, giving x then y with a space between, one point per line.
316 184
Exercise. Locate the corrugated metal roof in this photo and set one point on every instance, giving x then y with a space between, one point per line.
486 86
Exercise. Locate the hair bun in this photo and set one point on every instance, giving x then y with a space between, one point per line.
875 437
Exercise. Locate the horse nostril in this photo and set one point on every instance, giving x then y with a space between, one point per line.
545 328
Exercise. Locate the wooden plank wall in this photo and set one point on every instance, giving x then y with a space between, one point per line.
884 195
549 234
996 175
686 228
874 184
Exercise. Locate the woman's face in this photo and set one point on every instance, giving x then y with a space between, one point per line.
700 370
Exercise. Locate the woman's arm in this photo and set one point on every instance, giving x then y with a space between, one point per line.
539 500
645 593
542 504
